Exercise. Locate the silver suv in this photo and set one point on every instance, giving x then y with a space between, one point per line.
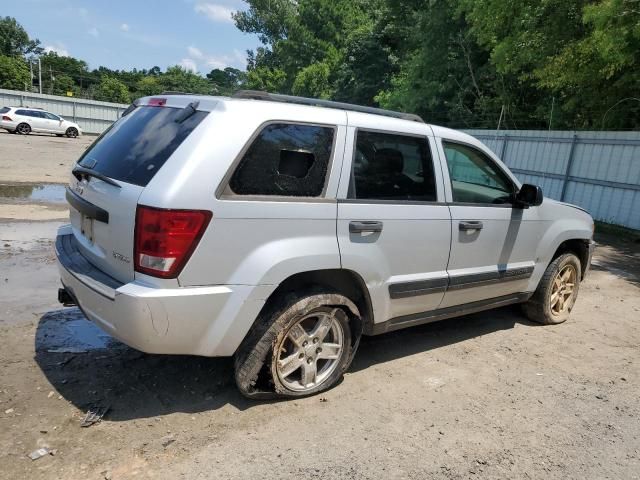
279 229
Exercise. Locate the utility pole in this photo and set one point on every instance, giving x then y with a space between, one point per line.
31 74
51 76
553 101
39 75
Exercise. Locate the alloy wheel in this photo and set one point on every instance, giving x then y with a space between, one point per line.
310 351
563 290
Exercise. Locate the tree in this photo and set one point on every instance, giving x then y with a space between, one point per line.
14 73
14 40
148 86
64 83
180 80
228 80
112 90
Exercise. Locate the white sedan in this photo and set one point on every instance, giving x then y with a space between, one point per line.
24 120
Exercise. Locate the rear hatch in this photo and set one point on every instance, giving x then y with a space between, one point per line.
112 174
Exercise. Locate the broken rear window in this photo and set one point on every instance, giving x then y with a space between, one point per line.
285 160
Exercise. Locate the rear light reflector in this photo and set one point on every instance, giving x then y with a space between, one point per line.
8 119
157 102
166 238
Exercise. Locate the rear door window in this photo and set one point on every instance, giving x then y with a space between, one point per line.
388 166
285 160
135 147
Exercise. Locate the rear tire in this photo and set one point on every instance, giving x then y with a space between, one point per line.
71 132
557 291
299 347
23 129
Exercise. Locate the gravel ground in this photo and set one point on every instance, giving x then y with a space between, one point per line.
484 396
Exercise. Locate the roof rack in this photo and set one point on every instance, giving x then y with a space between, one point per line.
276 97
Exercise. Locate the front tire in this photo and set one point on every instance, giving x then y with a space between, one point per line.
71 132
557 291
23 129
301 347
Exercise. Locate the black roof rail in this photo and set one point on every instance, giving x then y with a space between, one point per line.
276 97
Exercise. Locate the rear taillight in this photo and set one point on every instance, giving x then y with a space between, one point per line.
8 119
165 239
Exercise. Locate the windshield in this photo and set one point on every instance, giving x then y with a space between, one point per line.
135 147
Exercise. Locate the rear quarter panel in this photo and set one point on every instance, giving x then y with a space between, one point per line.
250 241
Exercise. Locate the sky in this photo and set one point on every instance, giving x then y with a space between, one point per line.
196 34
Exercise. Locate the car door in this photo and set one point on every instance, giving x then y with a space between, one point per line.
53 122
494 242
39 120
393 224
30 117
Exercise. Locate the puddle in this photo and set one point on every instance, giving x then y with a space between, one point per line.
33 192
67 331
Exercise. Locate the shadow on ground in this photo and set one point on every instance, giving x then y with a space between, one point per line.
618 255
89 368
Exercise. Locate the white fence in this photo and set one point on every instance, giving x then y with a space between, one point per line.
599 171
91 115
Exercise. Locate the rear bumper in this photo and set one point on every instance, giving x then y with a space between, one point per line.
10 126
208 321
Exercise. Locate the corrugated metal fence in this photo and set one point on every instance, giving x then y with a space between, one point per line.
91 115
599 171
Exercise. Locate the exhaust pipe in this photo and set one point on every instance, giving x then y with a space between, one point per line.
65 298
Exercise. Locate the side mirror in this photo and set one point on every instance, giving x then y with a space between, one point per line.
529 196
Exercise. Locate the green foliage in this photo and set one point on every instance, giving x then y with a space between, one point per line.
462 63
112 90
266 79
14 40
14 73
149 85
227 81
313 81
179 79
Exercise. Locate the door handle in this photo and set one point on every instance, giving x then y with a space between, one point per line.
365 226
469 225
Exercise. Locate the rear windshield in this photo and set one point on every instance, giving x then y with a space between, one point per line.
135 147
4 109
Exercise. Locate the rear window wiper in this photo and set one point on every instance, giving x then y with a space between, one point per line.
187 112
79 171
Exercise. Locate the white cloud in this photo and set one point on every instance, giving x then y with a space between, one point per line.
189 65
214 12
124 27
93 31
195 52
196 57
58 48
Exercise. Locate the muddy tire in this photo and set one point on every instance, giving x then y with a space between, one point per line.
23 129
557 291
300 346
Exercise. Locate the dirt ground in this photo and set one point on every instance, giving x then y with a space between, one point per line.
39 158
484 396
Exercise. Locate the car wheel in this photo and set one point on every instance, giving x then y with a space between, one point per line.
23 129
71 132
301 347
557 291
